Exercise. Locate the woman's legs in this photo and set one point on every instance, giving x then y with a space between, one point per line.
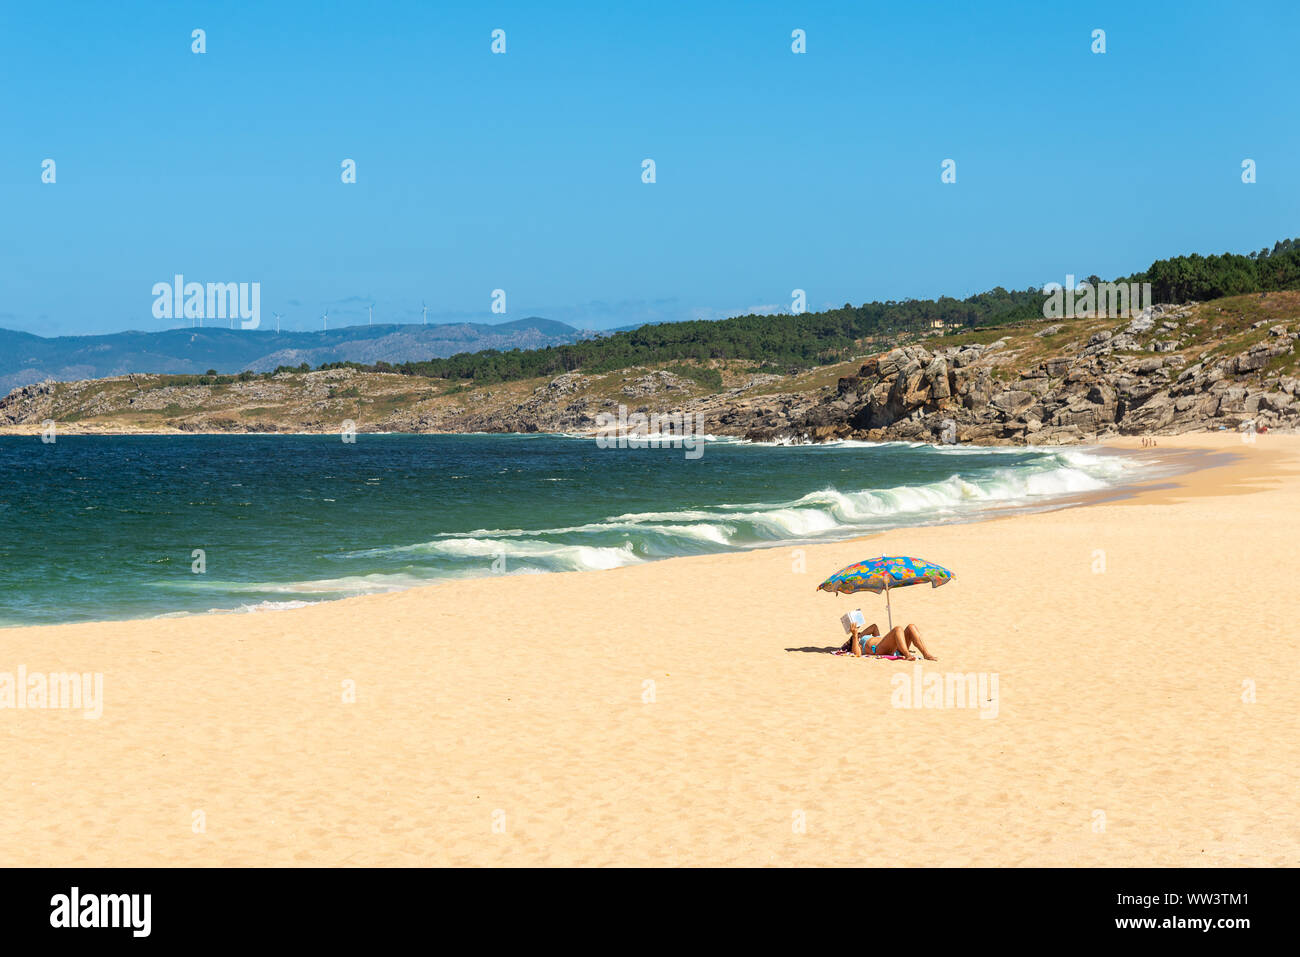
898 641
893 643
913 638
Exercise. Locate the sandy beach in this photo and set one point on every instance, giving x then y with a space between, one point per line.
1140 654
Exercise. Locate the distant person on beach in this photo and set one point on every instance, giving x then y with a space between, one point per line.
897 642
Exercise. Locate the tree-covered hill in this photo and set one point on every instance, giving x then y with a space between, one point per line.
810 339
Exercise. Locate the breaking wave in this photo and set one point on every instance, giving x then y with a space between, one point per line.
827 514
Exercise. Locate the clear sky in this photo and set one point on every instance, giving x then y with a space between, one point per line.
523 171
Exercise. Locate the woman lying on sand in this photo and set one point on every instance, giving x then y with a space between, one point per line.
897 642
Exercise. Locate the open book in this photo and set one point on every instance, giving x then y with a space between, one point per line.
853 618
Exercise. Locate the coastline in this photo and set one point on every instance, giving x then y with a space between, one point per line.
1169 370
685 711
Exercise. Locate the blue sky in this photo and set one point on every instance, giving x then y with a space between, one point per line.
522 171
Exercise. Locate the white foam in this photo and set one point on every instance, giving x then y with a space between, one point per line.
1044 480
558 557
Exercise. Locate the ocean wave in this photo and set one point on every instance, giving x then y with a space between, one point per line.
243 609
375 583
822 515
570 511
555 556
261 606
1037 479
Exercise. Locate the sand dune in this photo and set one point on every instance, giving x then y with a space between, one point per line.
686 711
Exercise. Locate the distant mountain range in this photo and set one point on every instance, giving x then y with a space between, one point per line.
27 358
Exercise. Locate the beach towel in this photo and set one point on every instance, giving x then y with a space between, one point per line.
841 651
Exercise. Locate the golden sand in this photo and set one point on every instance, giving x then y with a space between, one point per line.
686 711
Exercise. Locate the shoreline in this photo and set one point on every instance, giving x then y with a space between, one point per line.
689 712
1194 459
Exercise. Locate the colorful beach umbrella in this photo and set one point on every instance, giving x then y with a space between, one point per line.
884 573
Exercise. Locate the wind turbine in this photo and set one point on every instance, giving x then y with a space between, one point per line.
424 312
277 322
326 317
371 310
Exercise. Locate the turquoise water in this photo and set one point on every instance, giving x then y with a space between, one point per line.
105 527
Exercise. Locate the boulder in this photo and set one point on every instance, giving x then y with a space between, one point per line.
979 433
891 362
1155 413
936 377
1249 362
1087 417
907 390
1232 400
1146 366
1102 394
909 430
978 392
1057 435
1037 387
1011 401
1277 402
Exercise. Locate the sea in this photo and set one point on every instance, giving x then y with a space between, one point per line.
120 527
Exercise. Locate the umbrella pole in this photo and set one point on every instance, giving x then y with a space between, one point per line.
889 610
